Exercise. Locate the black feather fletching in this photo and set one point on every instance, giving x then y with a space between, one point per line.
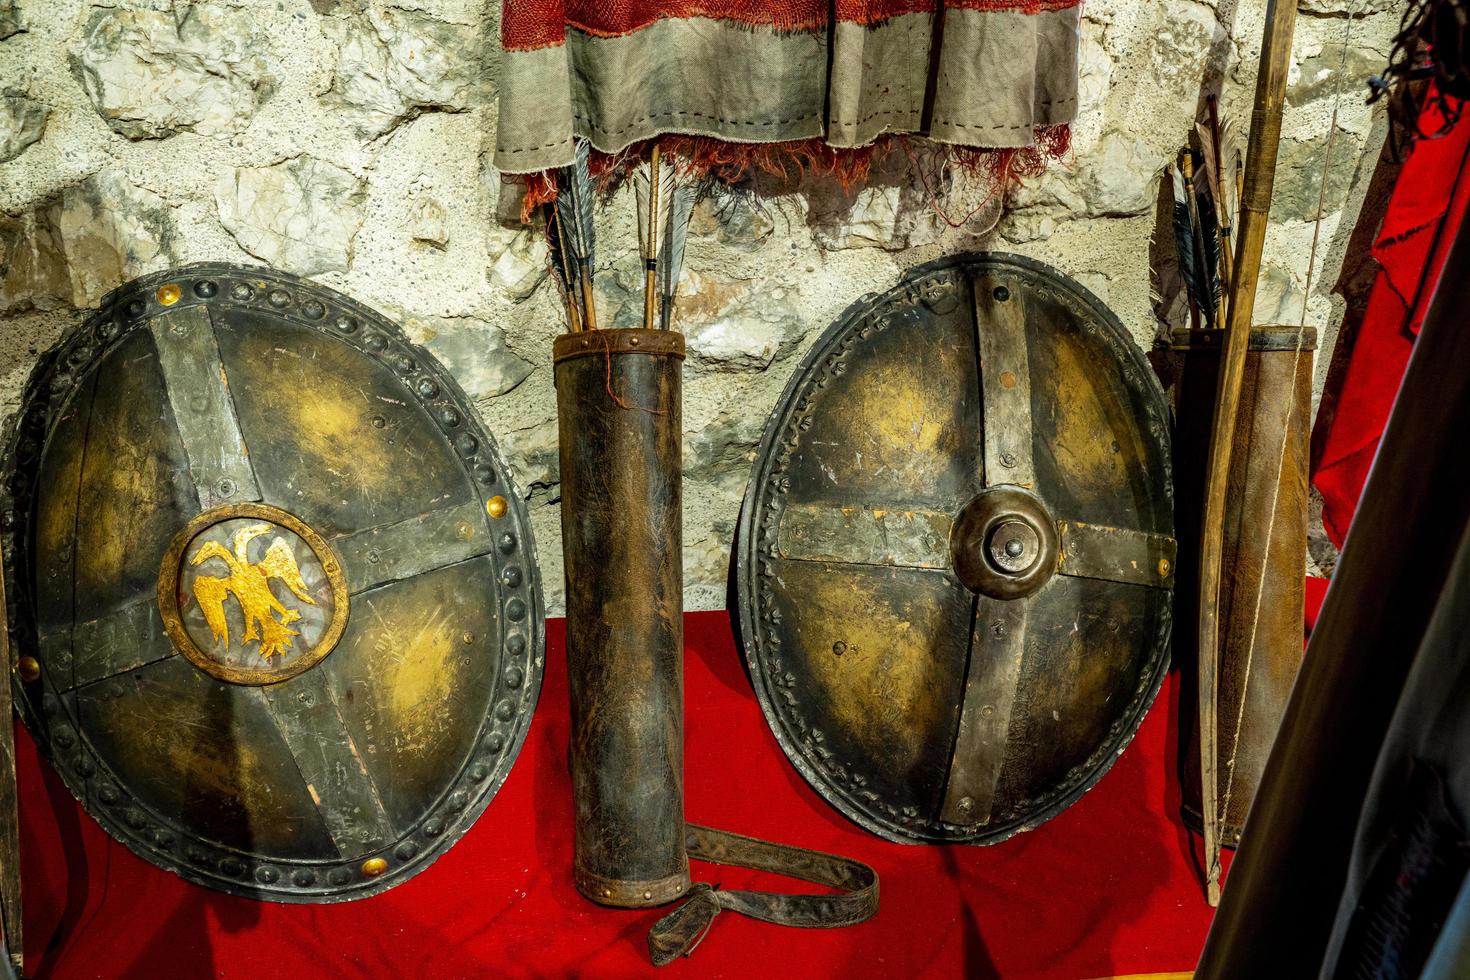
1189 262
671 249
1209 233
574 207
574 198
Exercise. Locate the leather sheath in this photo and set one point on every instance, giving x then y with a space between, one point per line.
1261 593
620 426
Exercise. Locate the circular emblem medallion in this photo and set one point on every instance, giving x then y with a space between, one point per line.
252 595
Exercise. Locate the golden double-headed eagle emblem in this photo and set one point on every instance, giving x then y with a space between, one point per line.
267 619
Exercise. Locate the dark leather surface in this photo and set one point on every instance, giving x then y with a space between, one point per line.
620 437
620 434
679 932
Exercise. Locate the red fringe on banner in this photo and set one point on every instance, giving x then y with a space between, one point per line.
792 162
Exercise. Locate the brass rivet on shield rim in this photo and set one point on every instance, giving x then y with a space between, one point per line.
373 867
1163 567
29 669
495 507
169 293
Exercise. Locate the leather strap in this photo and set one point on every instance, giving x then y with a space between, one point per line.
677 933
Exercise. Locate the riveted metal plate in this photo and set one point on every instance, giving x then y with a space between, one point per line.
949 570
334 664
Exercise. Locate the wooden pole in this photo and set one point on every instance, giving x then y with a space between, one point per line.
1226 220
1255 207
10 934
650 254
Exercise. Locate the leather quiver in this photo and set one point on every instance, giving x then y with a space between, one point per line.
618 402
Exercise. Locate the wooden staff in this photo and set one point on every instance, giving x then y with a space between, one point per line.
10 934
1255 206
650 244
1222 202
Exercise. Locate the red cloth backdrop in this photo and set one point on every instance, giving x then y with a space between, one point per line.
531 24
1109 887
1425 209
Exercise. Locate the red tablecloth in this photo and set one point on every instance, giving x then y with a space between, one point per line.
1106 888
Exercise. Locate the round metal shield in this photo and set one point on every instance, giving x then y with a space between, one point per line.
956 559
273 597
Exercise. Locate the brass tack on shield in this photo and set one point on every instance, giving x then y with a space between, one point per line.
168 294
373 867
29 669
495 507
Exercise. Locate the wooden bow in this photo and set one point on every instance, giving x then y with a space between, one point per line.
1255 206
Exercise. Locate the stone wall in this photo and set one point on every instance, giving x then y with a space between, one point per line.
349 141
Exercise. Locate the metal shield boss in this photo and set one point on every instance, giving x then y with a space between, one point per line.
274 601
957 553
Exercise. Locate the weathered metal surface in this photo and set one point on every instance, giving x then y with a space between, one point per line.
951 581
1116 554
218 461
909 538
379 555
1005 381
274 601
120 641
997 640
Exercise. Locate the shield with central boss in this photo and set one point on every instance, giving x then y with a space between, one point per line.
957 556
273 599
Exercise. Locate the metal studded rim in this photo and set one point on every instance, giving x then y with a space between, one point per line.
924 285
152 836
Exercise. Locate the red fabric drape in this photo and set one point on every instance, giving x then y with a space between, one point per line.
530 24
1108 887
1425 209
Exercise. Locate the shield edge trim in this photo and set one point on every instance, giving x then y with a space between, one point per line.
79 348
1157 424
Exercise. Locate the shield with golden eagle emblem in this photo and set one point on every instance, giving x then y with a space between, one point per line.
273 599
